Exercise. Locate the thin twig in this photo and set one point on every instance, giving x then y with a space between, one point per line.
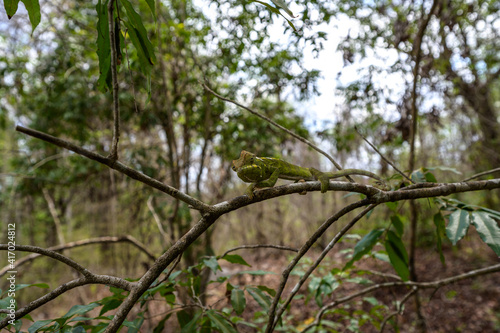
313 267
383 157
114 79
399 308
170 271
303 250
279 247
484 173
272 122
157 219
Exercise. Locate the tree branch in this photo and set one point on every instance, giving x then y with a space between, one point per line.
99 240
484 173
418 285
303 250
94 279
313 267
257 246
116 165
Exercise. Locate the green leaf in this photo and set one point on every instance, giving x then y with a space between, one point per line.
235 259
364 246
103 47
488 230
10 7
38 324
458 224
39 285
80 309
276 11
187 323
268 290
220 322
392 205
112 304
135 21
258 295
161 325
397 255
238 300
440 231
142 52
151 4
397 224
281 4
33 8
212 264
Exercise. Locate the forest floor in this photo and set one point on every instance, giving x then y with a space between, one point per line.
470 305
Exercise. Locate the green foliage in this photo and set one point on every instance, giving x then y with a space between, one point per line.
32 6
397 254
364 246
462 215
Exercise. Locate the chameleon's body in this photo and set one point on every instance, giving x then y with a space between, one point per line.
265 171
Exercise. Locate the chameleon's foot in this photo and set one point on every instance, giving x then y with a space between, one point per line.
249 191
322 177
302 181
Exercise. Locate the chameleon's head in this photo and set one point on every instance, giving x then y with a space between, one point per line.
246 158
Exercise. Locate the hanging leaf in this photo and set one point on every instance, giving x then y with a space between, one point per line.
144 43
397 224
458 224
10 7
103 47
220 322
397 255
33 8
212 264
238 300
440 231
151 5
235 259
259 296
488 230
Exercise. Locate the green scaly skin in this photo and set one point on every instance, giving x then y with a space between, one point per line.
265 171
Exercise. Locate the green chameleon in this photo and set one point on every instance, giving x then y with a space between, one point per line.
265 171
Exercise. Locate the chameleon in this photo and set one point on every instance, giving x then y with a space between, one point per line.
265 171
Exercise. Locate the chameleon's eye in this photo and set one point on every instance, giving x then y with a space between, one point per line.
234 168
251 160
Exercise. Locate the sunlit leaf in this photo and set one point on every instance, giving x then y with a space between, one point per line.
33 8
10 7
488 230
458 225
